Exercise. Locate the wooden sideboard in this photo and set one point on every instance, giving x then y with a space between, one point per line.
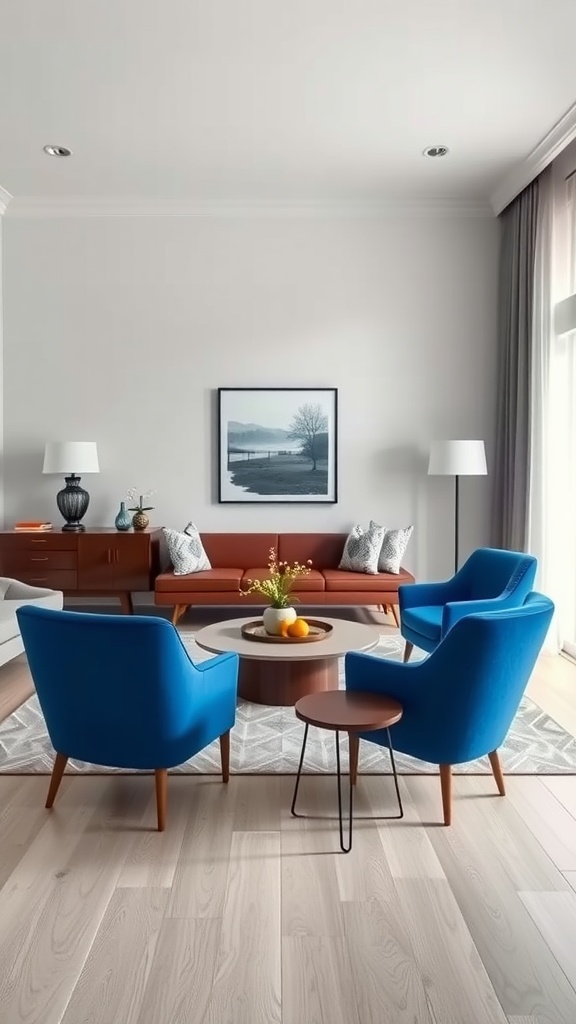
95 562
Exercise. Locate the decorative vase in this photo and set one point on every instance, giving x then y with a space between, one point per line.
274 617
123 520
140 520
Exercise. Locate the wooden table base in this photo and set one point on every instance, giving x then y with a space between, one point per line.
282 683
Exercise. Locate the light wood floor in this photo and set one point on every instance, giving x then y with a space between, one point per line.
239 914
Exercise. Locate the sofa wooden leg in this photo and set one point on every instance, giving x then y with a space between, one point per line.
353 748
60 762
161 779
395 614
179 611
225 755
446 786
497 772
408 648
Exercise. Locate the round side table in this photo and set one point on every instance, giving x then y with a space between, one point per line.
354 713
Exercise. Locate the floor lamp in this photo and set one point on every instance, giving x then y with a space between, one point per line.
457 458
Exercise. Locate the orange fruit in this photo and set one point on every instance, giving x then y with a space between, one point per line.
284 627
298 628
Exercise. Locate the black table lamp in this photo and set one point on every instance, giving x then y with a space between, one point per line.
72 458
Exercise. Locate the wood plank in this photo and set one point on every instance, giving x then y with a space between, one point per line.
387 982
44 952
258 805
201 875
317 981
181 977
457 985
483 818
547 819
409 851
247 983
310 904
113 980
523 972
554 913
364 873
563 787
154 855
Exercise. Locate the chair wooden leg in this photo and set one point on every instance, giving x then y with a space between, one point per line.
353 748
395 614
446 784
408 650
497 772
225 755
60 763
161 778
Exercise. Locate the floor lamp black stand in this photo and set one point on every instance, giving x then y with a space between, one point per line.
457 458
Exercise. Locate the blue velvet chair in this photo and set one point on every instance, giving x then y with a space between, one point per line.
122 691
460 701
490 578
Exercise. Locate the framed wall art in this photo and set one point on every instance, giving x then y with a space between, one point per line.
277 445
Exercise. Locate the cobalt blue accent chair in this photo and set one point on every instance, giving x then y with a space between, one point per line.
460 701
490 578
122 691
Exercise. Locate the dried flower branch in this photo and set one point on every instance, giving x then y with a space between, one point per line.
278 586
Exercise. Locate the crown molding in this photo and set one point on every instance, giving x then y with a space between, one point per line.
122 206
560 136
5 200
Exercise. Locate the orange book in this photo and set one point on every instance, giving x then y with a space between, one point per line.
32 525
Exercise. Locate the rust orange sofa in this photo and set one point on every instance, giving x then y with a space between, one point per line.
237 557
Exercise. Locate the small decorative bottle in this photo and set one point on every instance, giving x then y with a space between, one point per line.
123 520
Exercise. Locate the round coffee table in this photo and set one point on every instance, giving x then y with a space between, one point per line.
279 674
354 713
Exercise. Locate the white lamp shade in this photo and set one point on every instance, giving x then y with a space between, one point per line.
71 457
457 458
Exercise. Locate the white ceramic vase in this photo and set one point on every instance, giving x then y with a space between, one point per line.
274 617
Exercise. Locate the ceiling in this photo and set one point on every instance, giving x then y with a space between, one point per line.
280 101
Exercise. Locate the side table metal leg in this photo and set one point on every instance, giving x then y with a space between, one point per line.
293 811
345 849
393 763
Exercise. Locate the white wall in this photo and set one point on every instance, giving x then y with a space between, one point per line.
119 330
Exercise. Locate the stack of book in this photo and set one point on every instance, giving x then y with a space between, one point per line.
34 525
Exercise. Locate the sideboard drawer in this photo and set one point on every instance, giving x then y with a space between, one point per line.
34 542
38 560
53 579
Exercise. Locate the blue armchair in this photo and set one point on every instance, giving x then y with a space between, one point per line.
460 701
122 691
491 578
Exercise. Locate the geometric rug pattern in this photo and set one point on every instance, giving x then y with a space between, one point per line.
267 740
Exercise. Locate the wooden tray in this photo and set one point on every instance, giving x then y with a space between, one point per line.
255 631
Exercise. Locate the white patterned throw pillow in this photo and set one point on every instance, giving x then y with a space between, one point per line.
362 548
393 547
186 550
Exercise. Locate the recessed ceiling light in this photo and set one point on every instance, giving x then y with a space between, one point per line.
57 151
436 151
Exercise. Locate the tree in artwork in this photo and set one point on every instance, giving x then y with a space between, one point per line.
310 426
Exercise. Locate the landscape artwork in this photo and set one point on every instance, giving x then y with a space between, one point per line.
277 444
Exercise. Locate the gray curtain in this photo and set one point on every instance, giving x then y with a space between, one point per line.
516 295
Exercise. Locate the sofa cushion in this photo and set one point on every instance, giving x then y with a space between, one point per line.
426 619
362 549
313 581
238 549
343 580
210 580
186 551
323 549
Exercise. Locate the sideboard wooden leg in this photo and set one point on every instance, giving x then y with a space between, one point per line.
126 602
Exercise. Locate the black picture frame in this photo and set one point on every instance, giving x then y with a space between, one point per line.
275 443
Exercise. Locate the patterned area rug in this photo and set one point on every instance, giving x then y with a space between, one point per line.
267 740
